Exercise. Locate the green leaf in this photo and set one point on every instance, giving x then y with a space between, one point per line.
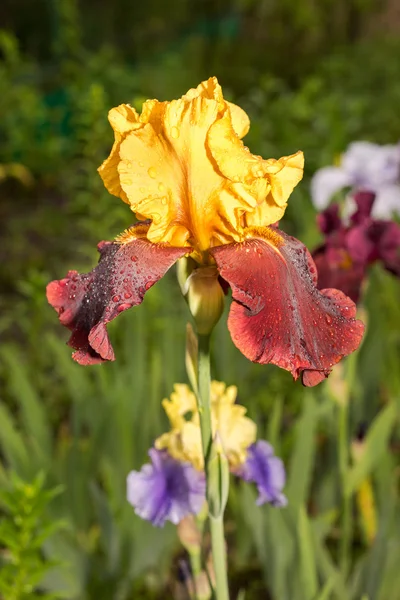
376 443
308 569
303 455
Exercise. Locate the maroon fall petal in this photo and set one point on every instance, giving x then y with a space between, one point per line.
364 202
329 220
277 314
86 303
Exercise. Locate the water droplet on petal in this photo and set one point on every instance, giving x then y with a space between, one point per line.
161 187
174 133
152 172
116 299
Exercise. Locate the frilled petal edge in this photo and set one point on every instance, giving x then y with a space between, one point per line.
86 303
277 315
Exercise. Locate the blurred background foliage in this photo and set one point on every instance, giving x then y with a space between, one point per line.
312 76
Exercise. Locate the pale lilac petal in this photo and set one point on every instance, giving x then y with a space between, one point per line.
166 490
266 471
325 183
387 202
371 166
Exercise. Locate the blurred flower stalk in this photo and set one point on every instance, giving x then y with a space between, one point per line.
203 201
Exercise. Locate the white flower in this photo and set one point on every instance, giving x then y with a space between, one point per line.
365 166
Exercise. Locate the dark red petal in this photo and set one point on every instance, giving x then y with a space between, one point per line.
364 201
278 316
329 220
86 303
337 270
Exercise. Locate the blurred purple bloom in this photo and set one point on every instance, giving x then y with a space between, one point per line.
266 471
349 249
364 166
166 490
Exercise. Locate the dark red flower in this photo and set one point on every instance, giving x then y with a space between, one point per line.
349 249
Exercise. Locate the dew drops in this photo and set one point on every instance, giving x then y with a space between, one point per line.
328 319
148 285
142 190
134 258
161 187
126 181
152 172
116 299
127 295
164 201
174 133
141 164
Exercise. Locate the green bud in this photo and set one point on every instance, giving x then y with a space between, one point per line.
205 298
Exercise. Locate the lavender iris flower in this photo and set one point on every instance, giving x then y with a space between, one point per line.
266 471
166 490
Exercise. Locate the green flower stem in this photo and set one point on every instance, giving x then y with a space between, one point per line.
204 400
219 557
216 523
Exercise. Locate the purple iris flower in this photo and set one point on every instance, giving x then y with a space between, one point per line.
166 490
348 249
266 470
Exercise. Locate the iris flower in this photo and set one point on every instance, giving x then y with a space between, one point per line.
363 167
173 485
236 432
166 489
349 248
198 192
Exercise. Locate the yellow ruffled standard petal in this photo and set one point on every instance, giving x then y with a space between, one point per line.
182 165
269 182
236 432
123 119
182 403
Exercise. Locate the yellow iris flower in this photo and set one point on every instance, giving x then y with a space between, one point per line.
234 431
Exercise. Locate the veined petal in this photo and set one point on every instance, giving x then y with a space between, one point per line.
86 303
277 315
